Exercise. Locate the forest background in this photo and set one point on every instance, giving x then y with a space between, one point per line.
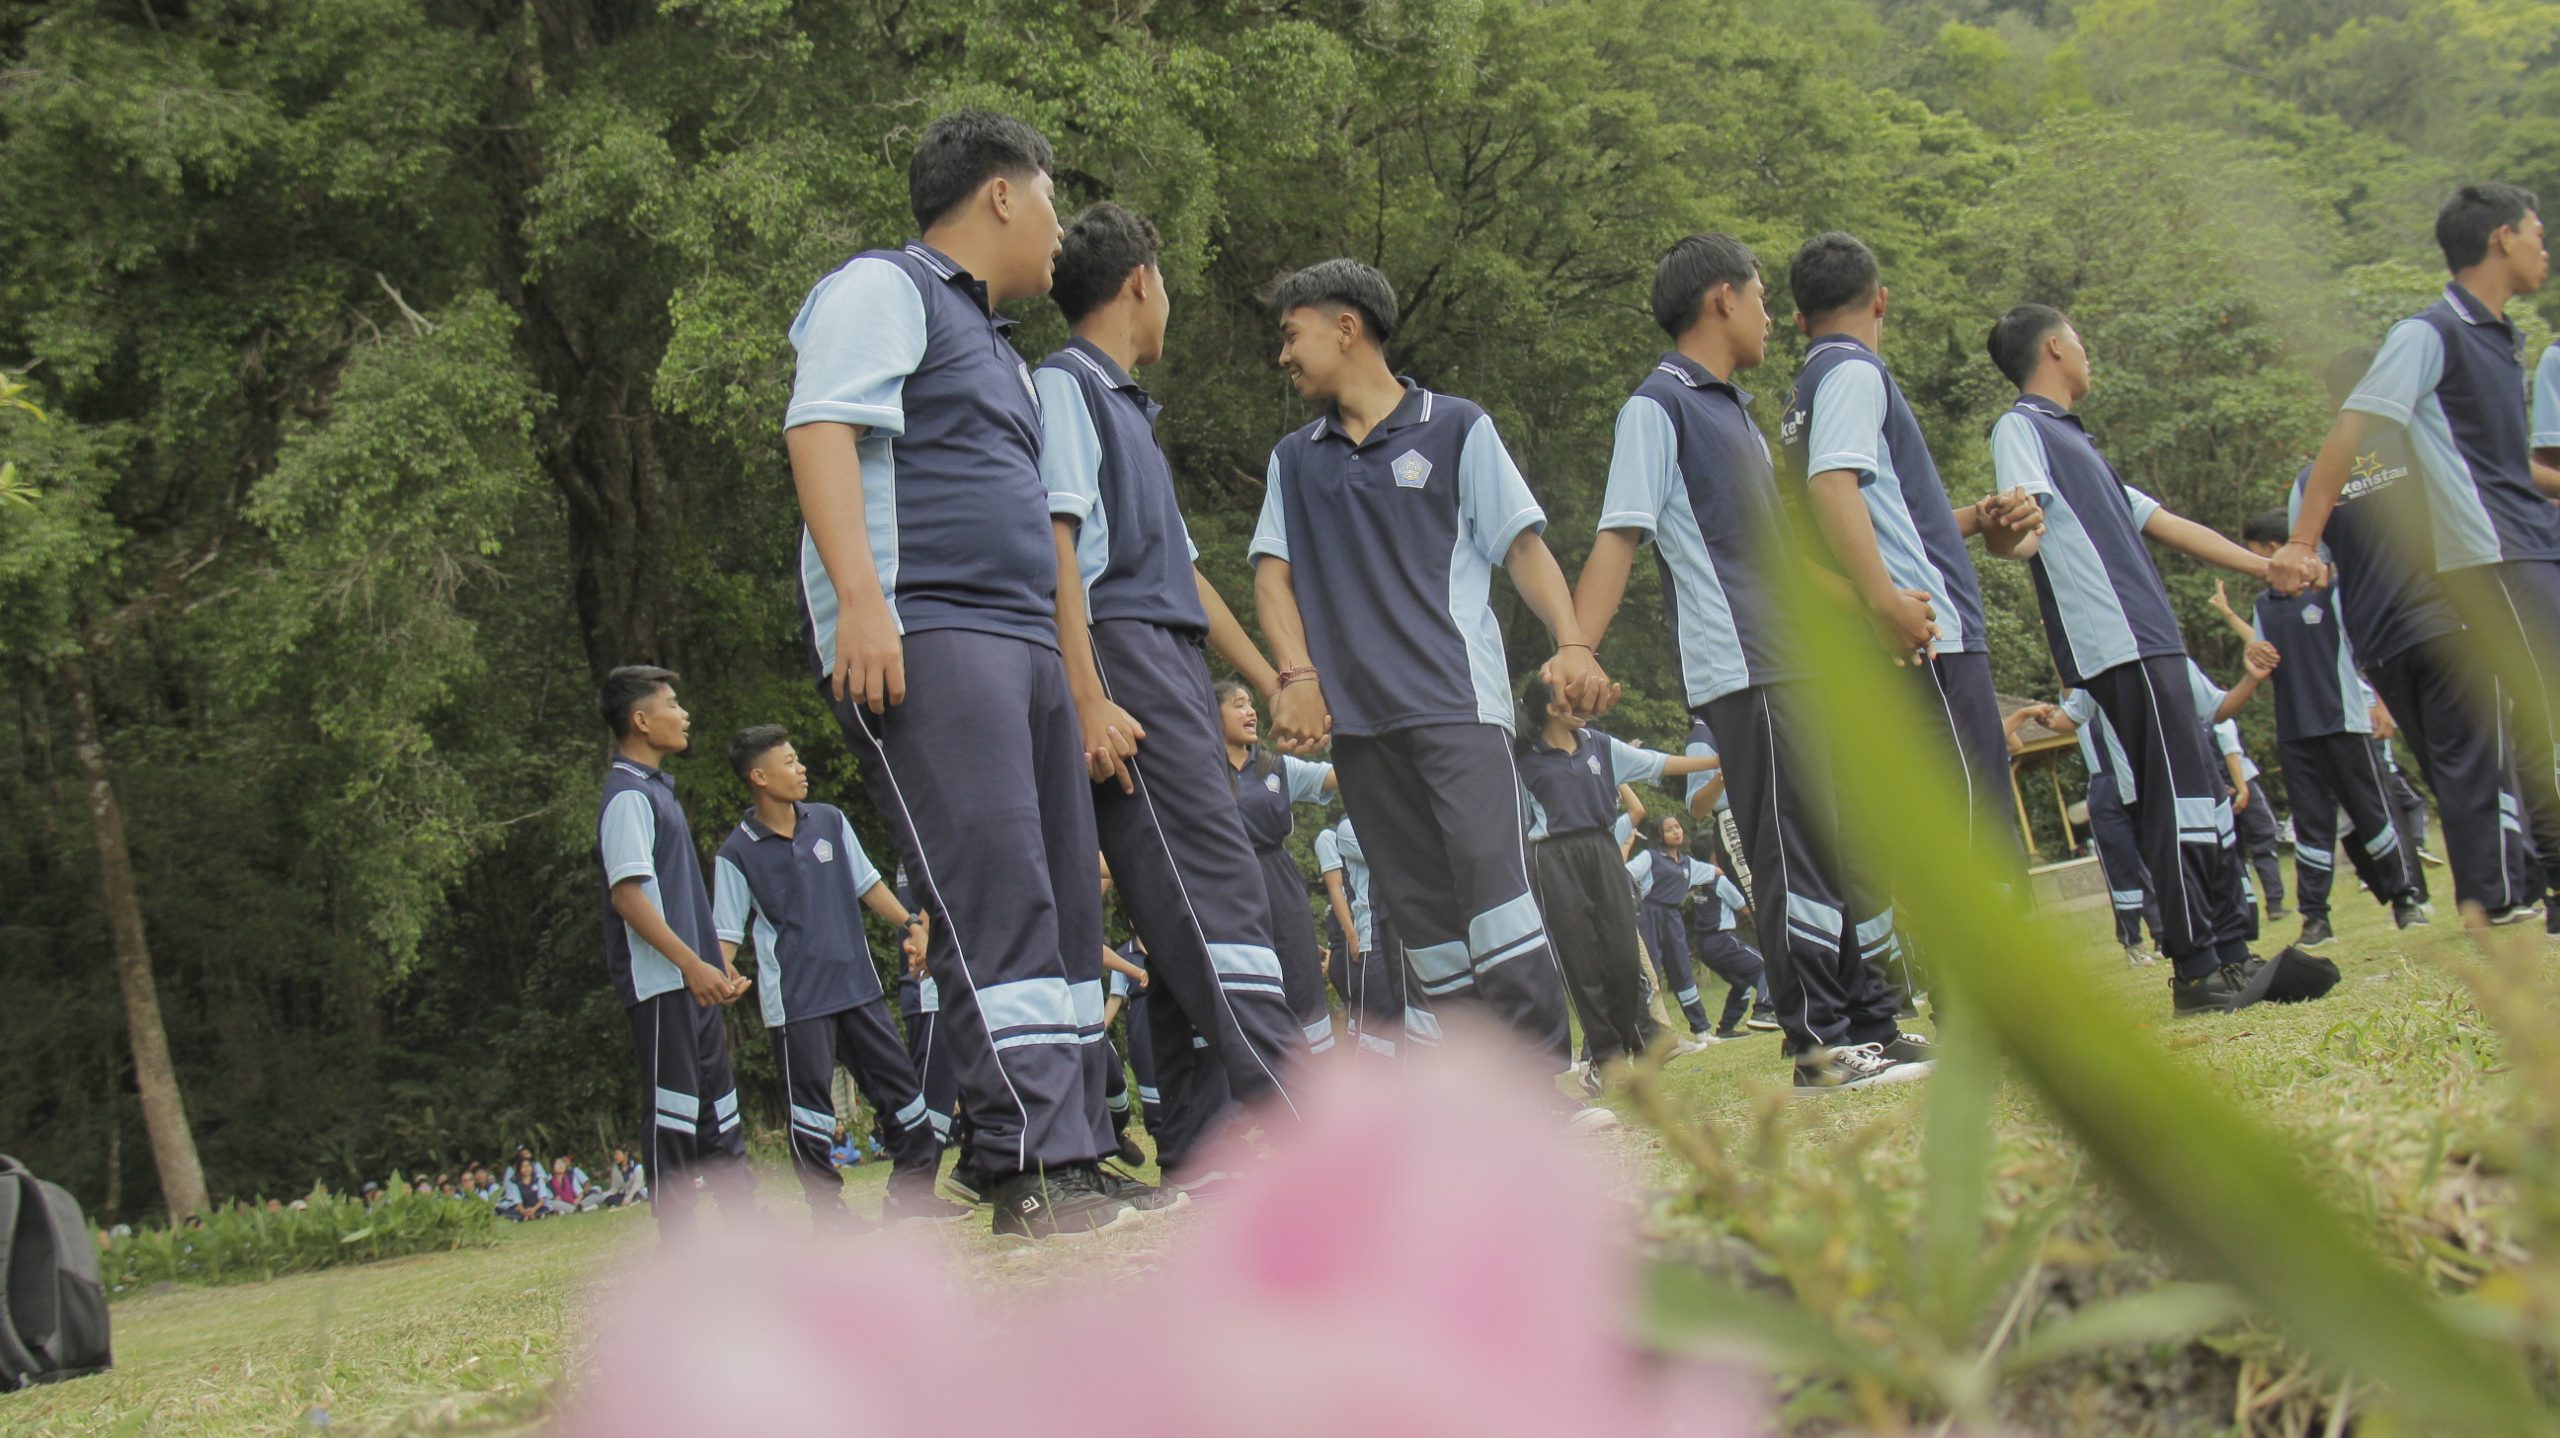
375 373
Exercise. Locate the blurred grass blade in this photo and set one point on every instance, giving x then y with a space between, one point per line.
2171 1313
1956 1162
1684 1306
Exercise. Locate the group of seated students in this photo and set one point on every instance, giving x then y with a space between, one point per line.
525 1191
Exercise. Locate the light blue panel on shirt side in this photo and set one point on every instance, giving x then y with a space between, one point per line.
652 973
880 526
2093 621
627 836
1848 433
2401 387
1071 467
1494 508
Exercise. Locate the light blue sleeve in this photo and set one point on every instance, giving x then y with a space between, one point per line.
1701 779
1634 765
2405 371
2017 455
732 902
1070 445
1640 871
1622 828
2226 738
1701 874
2144 506
2079 706
2546 400
1733 897
628 836
1848 422
1328 852
1271 531
1533 814
2208 696
1493 500
1118 984
858 868
860 334
1305 778
1644 467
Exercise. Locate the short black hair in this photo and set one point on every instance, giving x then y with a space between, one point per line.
2267 526
753 743
2345 370
1104 244
627 688
2470 215
1690 270
1831 272
964 150
2018 335
1340 284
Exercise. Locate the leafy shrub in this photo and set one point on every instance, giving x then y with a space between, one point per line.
245 1245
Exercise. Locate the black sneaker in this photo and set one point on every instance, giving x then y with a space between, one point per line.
1146 1198
1854 1066
2410 912
966 1184
920 1207
1066 1202
1129 1153
2315 932
2225 990
1912 1048
2277 911
1729 1032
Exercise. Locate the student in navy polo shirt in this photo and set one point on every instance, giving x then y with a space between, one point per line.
2452 377
2111 632
1132 614
2324 731
792 881
1268 788
1660 877
1381 526
1717 907
1691 471
659 945
928 586
1713 809
1380 1012
1570 775
2413 648
1883 513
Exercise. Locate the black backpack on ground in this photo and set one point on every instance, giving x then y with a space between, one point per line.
53 1306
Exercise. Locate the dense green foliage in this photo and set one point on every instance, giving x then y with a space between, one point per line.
249 1245
404 365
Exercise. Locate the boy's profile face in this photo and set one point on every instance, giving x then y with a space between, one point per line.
1747 322
1315 347
661 721
779 774
2072 357
2528 262
1155 311
1032 234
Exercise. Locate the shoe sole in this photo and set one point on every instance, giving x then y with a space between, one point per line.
2319 943
1585 1122
1762 1026
1125 1218
960 1193
1898 1074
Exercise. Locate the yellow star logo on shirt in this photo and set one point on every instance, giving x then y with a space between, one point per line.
2368 466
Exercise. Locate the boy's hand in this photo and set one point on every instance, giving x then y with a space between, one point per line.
1574 673
2240 800
2295 568
918 935
1300 721
2261 658
1111 736
1909 624
2008 518
871 661
2222 598
709 986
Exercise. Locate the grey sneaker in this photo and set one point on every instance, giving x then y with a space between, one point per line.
1854 1066
1065 1202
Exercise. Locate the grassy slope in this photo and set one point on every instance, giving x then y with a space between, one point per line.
2389 1073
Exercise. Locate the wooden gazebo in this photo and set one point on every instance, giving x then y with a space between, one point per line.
2037 747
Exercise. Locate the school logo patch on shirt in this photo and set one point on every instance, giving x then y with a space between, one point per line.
1412 471
2311 614
1592 762
825 851
1271 782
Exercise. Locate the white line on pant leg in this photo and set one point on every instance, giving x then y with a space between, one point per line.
2169 770
959 954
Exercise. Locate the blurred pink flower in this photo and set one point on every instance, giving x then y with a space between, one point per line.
1427 1254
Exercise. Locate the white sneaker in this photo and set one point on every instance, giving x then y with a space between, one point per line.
1855 1066
1590 1120
1695 1043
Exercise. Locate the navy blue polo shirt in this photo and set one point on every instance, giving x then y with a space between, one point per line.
1847 413
641 834
1691 470
800 900
2381 545
2101 595
2317 688
2453 377
1664 879
1268 787
1572 792
1098 456
901 343
1392 544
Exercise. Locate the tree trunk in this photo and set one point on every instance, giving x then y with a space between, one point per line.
164 1110
115 1141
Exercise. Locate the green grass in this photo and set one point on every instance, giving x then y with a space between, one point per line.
2393 1086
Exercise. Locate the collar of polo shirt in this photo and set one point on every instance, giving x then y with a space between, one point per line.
2044 406
756 829
1698 376
960 279
644 771
1414 408
2473 312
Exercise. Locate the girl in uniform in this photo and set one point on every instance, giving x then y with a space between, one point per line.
1268 788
